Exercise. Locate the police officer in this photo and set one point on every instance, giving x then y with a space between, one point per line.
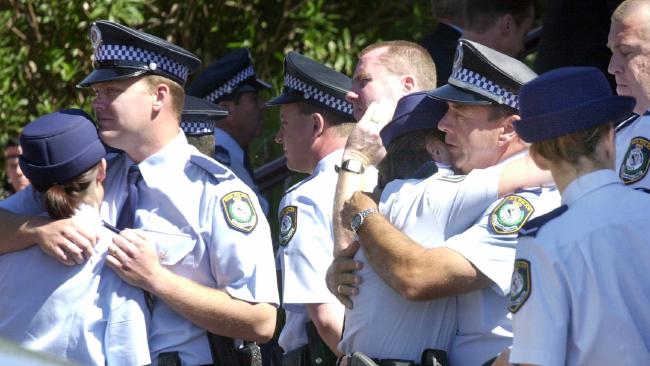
231 83
197 122
41 299
198 222
482 96
315 122
576 294
627 38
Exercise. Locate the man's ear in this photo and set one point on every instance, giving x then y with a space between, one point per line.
318 124
101 172
227 104
506 24
408 82
161 95
508 133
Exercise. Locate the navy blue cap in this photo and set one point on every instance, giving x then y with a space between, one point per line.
122 53
567 100
414 112
483 76
232 73
59 146
199 116
310 81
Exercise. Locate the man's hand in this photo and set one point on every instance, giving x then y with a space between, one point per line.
340 278
364 143
134 259
358 202
502 360
65 240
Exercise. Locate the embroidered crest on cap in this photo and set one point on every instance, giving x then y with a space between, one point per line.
239 211
520 286
635 161
510 215
95 36
288 224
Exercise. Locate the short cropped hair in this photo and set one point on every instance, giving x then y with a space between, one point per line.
340 123
481 15
407 58
177 91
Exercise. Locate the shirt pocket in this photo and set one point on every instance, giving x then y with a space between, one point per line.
175 250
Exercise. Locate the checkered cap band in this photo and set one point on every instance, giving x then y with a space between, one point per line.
197 127
311 92
231 84
471 80
107 52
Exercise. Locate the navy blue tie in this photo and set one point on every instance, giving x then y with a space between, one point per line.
127 215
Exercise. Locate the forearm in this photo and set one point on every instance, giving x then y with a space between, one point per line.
523 173
347 184
328 319
413 271
215 310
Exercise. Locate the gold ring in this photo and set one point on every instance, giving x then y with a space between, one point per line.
338 289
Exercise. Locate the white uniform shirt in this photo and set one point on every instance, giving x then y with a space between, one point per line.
382 323
484 323
235 161
200 217
633 152
583 296
83 313
306 248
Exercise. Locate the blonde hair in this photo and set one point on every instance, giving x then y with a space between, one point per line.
177 92
407 58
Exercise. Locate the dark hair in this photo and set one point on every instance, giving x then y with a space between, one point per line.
406 155
480 15
498 111
570 148
454 9
61 199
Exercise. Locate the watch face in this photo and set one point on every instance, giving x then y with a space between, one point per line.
356 222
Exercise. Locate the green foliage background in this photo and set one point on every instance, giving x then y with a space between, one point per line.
44 50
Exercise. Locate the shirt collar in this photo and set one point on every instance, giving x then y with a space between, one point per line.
328 162
173 157
588 183
222 138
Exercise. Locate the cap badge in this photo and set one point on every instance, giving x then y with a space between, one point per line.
458 57
95 36
153 66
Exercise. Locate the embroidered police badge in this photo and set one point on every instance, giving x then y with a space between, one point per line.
635 161
520 286
510 215
288 224
239 211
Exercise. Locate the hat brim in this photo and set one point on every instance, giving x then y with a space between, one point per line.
452 94
284 99
101 75
559 123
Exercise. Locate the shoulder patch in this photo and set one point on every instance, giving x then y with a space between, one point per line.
212 167
239 211
533 226
520 285
288 224
453 178
635 161
510 215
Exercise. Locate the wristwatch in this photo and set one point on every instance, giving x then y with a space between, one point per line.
351 165
357 220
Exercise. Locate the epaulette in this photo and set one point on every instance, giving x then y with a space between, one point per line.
295 186
532 227
626 123
535 190
211 166
641 189
425 170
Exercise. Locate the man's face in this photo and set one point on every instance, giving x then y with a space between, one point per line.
14 174
473 140
296 135
629 42
371 82
514 44
248 114
123 112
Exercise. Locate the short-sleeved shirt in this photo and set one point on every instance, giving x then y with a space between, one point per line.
233 157
484 323
581 297
382 323
633 152
306 248
207 226
83 313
